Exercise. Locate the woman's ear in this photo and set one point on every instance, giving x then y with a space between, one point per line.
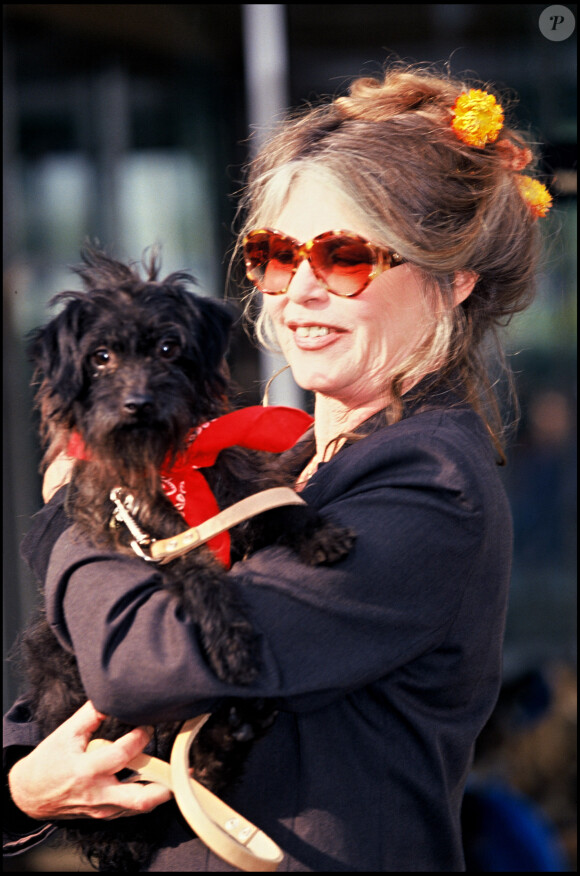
463 284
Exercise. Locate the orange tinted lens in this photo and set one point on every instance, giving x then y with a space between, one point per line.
342 263
269 261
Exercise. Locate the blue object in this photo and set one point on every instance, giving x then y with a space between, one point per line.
504 832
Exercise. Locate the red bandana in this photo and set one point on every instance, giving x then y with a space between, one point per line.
273 429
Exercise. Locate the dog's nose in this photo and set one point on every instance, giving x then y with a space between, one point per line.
138 403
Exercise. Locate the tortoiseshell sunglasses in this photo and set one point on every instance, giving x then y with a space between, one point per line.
345 263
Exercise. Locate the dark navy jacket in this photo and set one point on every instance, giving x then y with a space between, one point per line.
386 666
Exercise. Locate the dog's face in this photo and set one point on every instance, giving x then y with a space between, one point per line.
132 366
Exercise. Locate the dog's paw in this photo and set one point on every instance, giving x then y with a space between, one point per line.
220 751
327 545
249 720
231 651
227 639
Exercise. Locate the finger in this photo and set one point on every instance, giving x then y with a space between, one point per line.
83 723
114 757
138 799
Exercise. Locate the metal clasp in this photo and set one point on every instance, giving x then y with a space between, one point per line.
123 513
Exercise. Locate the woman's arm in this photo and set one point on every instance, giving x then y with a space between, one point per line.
46 527
20 734
59 780
323 630
50 779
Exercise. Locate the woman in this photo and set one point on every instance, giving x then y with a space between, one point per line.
387 234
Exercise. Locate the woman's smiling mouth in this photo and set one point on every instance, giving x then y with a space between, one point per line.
311 331
313 336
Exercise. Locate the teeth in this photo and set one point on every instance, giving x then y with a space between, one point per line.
312 331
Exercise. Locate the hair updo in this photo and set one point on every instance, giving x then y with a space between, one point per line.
389 149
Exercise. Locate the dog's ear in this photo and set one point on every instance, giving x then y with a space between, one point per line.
217 320
54 352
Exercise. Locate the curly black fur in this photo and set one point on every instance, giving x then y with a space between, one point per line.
133 364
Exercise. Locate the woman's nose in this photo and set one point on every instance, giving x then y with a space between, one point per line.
304 285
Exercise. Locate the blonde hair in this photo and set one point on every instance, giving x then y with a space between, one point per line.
389 150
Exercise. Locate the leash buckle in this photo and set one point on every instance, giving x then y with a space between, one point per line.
123 513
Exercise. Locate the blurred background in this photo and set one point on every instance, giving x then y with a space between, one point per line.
130 124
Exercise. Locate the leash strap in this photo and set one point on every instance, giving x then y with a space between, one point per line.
164 550
227 833
167 549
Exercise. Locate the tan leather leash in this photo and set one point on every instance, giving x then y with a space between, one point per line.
167 549
222 829
227 833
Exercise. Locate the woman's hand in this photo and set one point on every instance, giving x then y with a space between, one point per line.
59 779
57 475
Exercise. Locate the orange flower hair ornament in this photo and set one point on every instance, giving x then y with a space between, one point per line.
536 196
477 118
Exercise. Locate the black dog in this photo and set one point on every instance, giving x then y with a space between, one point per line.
131 365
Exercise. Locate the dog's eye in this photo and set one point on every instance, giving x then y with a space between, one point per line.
100 358
168 349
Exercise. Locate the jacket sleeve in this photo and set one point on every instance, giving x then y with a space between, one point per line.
324 630
48 524
20 733
19 832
